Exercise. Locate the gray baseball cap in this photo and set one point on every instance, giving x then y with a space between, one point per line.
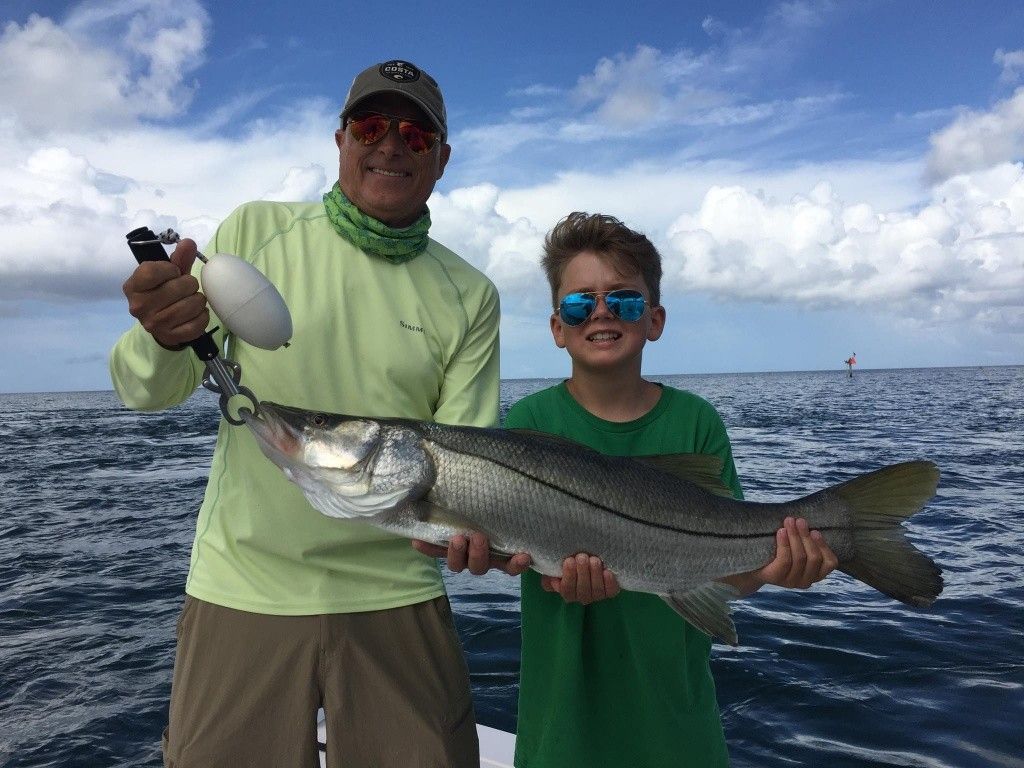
405 79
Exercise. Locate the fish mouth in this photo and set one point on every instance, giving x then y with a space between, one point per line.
277 437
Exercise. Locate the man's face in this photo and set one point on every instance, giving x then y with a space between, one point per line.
387 180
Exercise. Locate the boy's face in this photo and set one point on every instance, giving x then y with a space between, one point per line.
603 340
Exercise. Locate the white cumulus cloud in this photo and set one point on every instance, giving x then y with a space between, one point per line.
108 64
300 184
978 140
53 80
506 249
82 161
959 257
1012 63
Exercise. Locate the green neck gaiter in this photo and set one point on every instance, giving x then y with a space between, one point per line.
375 237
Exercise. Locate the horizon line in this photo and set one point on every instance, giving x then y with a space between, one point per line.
646 375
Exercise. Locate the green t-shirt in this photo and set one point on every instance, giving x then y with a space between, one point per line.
625 681
370 338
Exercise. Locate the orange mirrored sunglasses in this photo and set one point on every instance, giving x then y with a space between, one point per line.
370 127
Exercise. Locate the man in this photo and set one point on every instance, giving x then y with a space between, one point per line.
287 610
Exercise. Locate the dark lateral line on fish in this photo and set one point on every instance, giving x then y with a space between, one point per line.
616 513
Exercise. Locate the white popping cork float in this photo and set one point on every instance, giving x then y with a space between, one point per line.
246 302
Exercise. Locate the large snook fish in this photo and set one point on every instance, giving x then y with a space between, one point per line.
663 525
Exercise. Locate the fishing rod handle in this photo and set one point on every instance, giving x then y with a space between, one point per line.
145 246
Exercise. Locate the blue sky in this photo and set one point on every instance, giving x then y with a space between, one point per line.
821 177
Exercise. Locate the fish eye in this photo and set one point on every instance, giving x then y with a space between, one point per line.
319 420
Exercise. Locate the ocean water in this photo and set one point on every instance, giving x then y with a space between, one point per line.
98 513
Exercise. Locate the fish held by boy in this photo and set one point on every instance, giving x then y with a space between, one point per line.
664 525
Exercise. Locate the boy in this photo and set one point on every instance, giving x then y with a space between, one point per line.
623 681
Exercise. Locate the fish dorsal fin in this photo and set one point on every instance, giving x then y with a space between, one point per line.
701 469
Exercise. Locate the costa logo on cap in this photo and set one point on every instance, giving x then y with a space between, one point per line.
400 71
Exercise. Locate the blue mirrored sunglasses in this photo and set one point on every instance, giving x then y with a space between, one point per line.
624 303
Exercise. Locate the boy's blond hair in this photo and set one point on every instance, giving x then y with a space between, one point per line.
627 251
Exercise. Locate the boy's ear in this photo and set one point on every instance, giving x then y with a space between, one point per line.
557 330
657 324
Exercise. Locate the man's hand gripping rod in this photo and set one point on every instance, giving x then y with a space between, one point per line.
222 375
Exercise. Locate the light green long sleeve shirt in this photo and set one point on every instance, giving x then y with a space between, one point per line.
371 338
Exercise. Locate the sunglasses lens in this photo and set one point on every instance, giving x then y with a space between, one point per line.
575 308
419 139
370 128
626 305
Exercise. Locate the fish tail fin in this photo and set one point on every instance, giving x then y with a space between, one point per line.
883 558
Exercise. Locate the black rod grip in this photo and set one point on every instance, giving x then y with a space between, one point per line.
146 251
204 346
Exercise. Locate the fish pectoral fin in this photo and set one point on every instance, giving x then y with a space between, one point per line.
449 523
707 608
701 469
427 512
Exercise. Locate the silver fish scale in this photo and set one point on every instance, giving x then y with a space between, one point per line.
655 531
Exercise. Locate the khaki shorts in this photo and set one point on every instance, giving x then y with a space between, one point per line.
393 684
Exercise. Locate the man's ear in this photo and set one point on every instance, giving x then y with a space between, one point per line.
446 153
